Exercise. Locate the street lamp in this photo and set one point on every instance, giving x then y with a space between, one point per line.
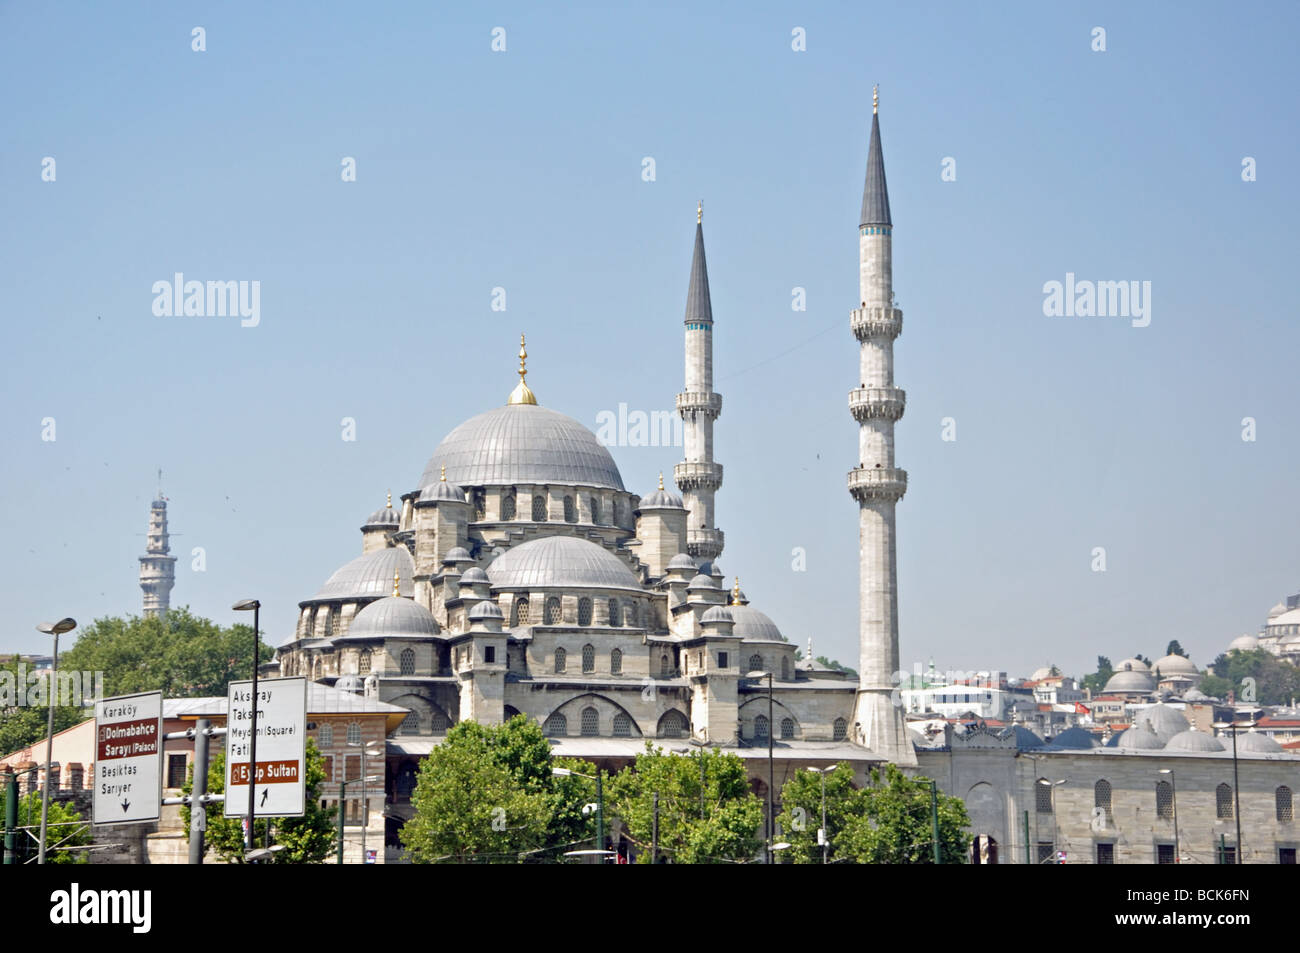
373 750
822 837
1236 784
771 771
600 804
1173 790
243 606
343 799
55 629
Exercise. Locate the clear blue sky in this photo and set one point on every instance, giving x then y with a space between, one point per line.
522 169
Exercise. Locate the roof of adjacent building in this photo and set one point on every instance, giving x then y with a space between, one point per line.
875 193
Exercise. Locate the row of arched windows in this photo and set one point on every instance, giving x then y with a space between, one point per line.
756 665
589 660
839 730
1224 804
672 725
553 613
540 510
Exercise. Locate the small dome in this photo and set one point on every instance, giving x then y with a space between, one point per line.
661 499
351 683
1290 617
1140 738
487 609
457 554
1074 739
1194 741
1175 665
701 581
442 490
474 576
1243 643
1260 744
1164 721
1132 665
1129 681
393 616
371 575
1042 673
1276 611
1195 695
682 561
386 516
1025 738
754 625
560 562
716 614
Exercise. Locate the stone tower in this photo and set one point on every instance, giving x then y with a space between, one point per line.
157 566
877 485
698 477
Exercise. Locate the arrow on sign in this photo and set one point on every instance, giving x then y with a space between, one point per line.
125 804
265 792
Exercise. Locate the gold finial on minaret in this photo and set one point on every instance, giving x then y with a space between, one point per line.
521 394
875 99
735 592
661 479
396 587
444 473
699 212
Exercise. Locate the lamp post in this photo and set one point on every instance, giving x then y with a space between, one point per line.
244 606
1173 790
771 770
934 819
343 797
369 749
1236 783
55 629
822 834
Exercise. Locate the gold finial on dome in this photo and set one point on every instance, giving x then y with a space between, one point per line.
661 479
397 591
521 394
699 212
735 592
875 100
444 473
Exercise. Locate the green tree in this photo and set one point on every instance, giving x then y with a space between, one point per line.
178 653
732 814
306 840
65 828
1098 679
1173 648
801 800
22 726
488 793
1215 687
896 827
1259 673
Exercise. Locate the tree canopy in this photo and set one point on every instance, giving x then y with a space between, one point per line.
1255 675
65 828
1098 679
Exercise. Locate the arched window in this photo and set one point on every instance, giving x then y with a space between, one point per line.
561 660
756 663
665 668
539 509
840 731
584 611
613 612
588 659
410 725
787 729
439 722
406 661
354 733
1101 796
616 662
363 662
673 724
553 614
1223 801
326 737
510 712
760 728
785 669
1283 799
1164 800
590 722
595 510
329 622
1043 796
508 506
519 614
622 726
315 668
557 726
570 511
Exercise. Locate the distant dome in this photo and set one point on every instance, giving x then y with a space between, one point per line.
1194 741
1132 665
1040 674
1260 744
487 609
351 683
682 561
1164 721
560 562
1290 617
1195 695
1074 739
1175 665
1140 738
1026 739
716 614
1129 681
1276 611
371 575
1243 643
393 616
522 443
752 624
474 576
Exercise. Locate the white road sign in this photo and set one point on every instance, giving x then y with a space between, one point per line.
128 759
281 779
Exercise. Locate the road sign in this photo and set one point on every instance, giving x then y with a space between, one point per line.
281 779
128 759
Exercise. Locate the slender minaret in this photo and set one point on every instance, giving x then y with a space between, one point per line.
698 477
876 483
157 567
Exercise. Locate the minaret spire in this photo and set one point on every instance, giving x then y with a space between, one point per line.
877 485
698 476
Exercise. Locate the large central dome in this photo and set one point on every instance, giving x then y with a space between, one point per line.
522 443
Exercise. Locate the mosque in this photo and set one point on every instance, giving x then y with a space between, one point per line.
521 575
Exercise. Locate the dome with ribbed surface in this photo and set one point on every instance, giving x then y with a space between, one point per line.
701 581
1130 681
371 575
1164 721
715 614
393 616
682 561
1194 741
560 562
1260 744
1132 665
385 516
1140 738
443 491
660 499
473 576
522 443
1175 665
487 609
752 624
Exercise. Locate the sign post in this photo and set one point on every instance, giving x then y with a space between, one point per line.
280 781
128 759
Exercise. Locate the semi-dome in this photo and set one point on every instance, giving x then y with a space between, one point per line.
1164 721
752 624
1175 665
1129 681
1140 738
487 609
394 616
1260 744
371 575
1243 643
560 562
1192 740
522 443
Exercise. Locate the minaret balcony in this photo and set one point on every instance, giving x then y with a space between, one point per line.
697 476
690 403
877 403
876 323
704 543
877 484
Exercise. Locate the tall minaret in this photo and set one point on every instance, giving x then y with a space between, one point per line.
698 477
876 483
157 567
